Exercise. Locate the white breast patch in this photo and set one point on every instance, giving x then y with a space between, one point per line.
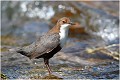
63 34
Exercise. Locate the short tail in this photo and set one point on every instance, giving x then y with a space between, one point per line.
19 50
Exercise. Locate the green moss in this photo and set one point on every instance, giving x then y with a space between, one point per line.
8 40
3 76
4 49
52 77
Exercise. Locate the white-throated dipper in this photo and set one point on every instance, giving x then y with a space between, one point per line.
48 44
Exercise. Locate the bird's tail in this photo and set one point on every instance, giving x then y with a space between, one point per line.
19 50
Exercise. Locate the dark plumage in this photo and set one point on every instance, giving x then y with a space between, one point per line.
48 45
44 45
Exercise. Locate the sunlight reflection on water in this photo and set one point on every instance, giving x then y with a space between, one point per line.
46 12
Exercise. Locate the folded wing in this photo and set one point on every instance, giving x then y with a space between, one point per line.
44 45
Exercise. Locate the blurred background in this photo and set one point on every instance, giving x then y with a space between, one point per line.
93 40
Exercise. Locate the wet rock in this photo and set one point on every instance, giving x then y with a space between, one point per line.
53 76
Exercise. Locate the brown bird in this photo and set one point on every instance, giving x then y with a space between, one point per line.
49 44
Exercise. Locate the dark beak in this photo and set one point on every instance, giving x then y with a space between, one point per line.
72 23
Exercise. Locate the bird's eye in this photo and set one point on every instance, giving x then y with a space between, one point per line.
64 21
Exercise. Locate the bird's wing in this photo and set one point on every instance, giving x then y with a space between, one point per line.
46 44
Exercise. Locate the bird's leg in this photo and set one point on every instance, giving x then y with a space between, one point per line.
46 61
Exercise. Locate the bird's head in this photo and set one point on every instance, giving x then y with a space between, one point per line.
64 22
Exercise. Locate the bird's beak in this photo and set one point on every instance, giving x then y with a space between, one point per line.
72 23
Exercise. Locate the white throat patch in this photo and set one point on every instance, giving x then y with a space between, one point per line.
63 34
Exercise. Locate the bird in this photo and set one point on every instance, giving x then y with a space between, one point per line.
48 44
